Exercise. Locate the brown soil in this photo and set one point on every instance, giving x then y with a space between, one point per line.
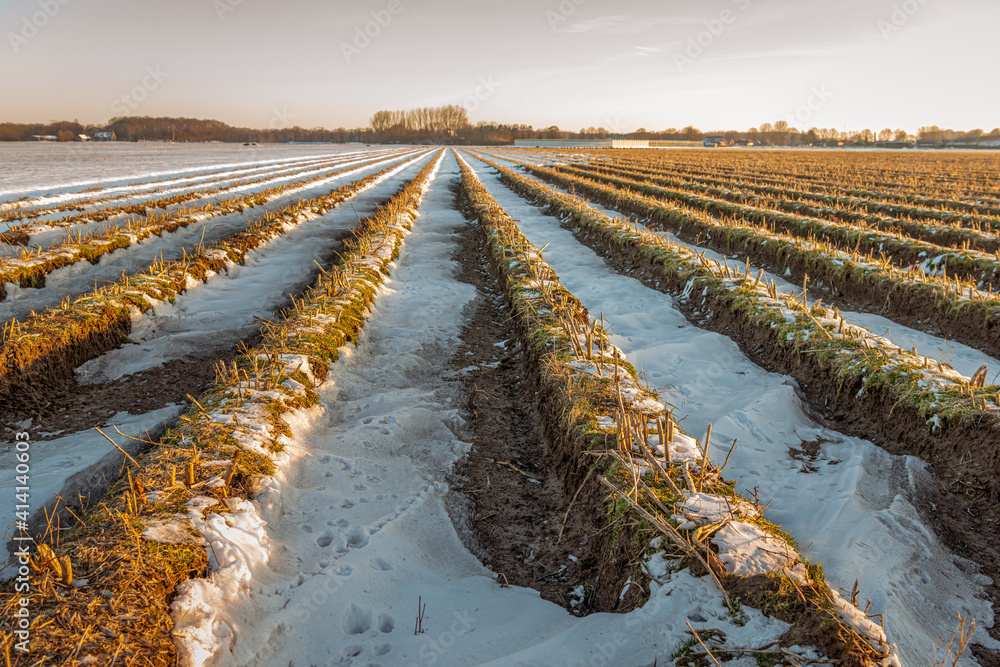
71 407
510 521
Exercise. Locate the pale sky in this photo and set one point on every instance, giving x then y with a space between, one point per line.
620 64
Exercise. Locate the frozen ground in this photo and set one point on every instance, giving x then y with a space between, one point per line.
60 167
219 313
357 529
847 507
964 359
80 277
203 321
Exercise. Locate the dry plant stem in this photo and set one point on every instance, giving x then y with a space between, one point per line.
707 652
672 534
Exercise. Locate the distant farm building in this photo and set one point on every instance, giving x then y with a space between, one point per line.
105 136
45 137
81 137
712 142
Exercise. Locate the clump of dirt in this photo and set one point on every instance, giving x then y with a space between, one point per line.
526 517
807 453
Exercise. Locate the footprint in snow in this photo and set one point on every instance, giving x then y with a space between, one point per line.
386 624
382 649
358 620
356 537
380 564
325 540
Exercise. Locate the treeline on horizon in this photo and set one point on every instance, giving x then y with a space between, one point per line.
450 125
145 128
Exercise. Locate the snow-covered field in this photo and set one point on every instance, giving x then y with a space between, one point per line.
357 525
47 168
850 505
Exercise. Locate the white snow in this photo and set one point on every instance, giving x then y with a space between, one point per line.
852 514
80 277
35 166
964 359
357 526
222 311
